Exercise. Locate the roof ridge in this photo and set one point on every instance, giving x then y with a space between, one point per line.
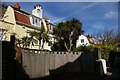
20 9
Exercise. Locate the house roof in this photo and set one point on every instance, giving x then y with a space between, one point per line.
20 10
22 18
92 40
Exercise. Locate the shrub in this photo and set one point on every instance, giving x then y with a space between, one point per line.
104 50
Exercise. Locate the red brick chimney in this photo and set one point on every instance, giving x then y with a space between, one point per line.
17 5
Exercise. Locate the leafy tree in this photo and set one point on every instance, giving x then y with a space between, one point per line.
3 9
32 38
18 42
40 35
45 38
58 46
25 42
68 32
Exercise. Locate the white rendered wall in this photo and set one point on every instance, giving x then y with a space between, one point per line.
79 43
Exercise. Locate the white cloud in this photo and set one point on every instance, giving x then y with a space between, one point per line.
111 14
53 19
59 20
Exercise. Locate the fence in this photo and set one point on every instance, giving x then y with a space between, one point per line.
42 63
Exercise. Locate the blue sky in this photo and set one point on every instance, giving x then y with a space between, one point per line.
95 16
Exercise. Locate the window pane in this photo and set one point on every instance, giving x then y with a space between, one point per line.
36 21
82 40
33 20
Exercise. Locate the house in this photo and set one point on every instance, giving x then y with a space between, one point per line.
19 22
86 41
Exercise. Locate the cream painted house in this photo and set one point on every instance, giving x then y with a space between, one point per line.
19 22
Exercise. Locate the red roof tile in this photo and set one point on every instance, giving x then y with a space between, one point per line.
22 18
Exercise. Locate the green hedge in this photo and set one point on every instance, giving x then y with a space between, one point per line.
104 50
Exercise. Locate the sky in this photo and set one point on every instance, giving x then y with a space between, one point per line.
95 16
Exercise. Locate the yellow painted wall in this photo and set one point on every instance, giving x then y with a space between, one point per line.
9 15
21 30
9 27
8 22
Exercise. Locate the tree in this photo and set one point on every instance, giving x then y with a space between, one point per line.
106 37
18 42
3 10
45 38
32 38
25 42
68 32
39 35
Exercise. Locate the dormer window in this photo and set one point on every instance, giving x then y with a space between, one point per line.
35 21
37 11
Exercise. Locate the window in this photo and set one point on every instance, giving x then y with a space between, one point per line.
82 40
23 27
33 20
50 27
36 21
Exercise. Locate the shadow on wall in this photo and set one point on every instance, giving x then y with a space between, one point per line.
83 68
11 69
116 70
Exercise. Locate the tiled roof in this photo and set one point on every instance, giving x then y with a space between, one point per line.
22 18
20 10
92 40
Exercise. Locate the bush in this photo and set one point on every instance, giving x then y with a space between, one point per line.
58 46
84 48
104 49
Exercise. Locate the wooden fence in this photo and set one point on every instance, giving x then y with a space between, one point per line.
43 63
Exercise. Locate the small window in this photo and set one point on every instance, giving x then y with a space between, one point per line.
50 27
82 40
33 20
36 21
23 27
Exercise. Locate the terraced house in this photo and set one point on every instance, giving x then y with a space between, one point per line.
20 22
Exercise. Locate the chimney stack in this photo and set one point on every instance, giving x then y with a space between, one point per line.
37 11
17 5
